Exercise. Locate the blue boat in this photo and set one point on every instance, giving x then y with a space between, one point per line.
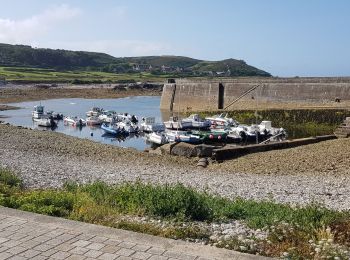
113 129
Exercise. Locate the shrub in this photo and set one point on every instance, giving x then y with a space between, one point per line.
50 202
164 201
8 178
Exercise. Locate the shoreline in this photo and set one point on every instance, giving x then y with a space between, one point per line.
286 177
33 92
15 93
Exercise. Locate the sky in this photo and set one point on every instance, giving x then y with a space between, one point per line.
284 37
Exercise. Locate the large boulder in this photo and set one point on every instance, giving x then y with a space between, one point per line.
166 148
184 149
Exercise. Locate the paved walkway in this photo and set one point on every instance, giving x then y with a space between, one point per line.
25 235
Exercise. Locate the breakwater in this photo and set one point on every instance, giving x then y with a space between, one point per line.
212 94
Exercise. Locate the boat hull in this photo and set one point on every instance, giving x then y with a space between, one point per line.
111 130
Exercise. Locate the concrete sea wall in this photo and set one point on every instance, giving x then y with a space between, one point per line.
213 94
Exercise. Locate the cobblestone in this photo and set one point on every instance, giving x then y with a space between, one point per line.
56 238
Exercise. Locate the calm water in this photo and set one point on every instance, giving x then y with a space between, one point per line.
140 106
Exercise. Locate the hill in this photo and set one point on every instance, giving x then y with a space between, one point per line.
63 60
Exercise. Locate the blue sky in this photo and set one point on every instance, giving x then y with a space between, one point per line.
285 38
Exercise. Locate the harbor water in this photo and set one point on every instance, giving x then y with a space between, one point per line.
141 106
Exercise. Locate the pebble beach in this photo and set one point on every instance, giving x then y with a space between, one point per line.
316 173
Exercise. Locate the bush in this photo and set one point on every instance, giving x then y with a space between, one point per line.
164 201
8 178
50 202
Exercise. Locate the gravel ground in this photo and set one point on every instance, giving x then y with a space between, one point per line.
20 93
312 173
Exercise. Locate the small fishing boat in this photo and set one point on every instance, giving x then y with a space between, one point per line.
222 120
175 123
107 116
74 121
54 115
95 111
183 136
266 129
211 136
93 120
247 133
197 122
149 125
38 111
44 121
126 117
127 126
157 138
113 129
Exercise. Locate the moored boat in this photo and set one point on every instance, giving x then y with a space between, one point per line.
175 123
211 136
149 124
44 121
113 129
197 122
74 121
222 120
38 111
93 120
127 126
183 136
54 115
157 138
95 111
107 116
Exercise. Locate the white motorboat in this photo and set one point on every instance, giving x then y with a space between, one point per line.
266 128
222 120
44 121
245 132
149 125
38 111
182 136
127 126
95 111
93 120
197 122
113 129
175 123
74 121
157 138
107 116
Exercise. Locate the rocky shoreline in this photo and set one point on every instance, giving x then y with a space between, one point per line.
312 173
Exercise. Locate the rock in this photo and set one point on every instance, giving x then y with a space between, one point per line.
204 150
202 164
166 148
184 149
157 151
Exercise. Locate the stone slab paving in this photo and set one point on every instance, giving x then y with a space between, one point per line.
25 235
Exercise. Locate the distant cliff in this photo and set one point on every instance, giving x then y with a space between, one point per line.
26 56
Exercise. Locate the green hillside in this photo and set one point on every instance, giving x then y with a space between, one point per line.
230 66
176 66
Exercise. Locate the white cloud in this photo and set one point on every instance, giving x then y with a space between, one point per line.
117 48
28 29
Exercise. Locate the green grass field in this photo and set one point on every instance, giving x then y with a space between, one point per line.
39 75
